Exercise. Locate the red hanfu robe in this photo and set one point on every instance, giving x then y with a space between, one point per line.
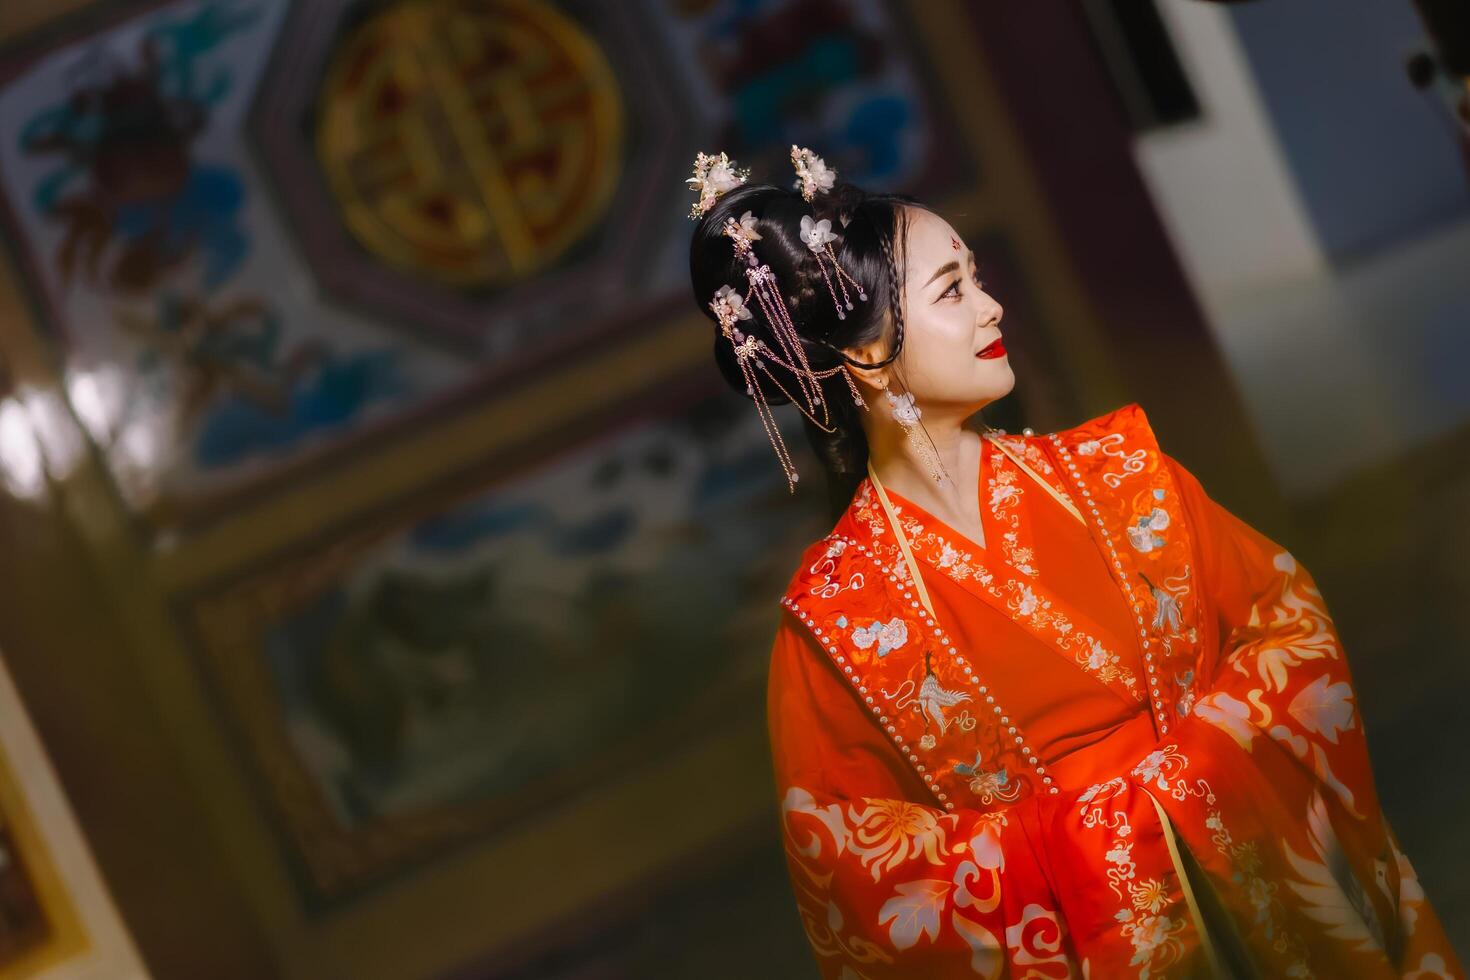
1124 748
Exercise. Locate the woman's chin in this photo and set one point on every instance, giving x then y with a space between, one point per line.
999 379
973 395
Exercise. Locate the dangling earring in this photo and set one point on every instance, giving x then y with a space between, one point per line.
906 414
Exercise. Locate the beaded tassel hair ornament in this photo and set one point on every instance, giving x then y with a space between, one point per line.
814 176
713 176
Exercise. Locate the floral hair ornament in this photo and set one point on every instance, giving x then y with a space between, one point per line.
812 173
713 176
813 176
768 296
730 309
751 353
819 238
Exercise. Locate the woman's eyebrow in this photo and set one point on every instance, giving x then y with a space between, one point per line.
947 267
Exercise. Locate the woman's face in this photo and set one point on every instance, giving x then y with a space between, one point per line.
948 319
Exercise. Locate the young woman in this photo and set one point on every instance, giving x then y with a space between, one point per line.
1039 707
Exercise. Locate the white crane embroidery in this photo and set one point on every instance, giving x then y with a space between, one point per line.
933 698
1166 607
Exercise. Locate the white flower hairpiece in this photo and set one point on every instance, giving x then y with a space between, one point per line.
713 176
816 234
729 307
813 176
747 228
742 232
786 348
812 172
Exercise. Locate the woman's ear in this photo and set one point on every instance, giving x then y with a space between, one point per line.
876 378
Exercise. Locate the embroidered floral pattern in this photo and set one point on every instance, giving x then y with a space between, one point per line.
1143 533
889 686
989 786
886 833
1007 491
1329 890
877 878
1229 714
1143 921
1270 914
1088 652
941 887
808 849
906 703
1037 460
1288 628
1284 632
889 636
1023 598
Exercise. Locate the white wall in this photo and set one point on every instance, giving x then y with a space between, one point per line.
1341 364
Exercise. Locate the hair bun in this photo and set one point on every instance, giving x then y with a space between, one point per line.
807 299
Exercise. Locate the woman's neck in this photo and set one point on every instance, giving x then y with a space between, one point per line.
900 466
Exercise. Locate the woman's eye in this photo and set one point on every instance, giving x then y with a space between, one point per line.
954 288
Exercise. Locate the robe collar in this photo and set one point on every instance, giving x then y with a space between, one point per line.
1005 576
854 591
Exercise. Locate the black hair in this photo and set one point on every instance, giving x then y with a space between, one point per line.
870 230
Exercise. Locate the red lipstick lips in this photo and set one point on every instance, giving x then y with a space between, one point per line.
993 349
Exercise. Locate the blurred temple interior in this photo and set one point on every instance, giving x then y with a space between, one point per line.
388 575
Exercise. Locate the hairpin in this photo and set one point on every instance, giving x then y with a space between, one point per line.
814 176
767 293
713 176
819 238
730 309
812 172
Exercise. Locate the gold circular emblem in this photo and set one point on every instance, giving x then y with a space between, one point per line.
473 141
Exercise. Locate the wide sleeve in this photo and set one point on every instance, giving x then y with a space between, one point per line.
1271 662
1276 679
888 884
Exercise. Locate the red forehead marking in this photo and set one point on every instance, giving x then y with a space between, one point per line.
954 243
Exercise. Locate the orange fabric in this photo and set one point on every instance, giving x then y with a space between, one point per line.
1081 728
1076 876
